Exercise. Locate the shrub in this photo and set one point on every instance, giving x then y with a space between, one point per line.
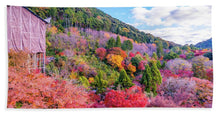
132 97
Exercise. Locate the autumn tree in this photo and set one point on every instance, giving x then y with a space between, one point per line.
111 43
118 42
114 60
123 81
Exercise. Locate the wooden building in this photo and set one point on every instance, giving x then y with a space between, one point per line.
26 31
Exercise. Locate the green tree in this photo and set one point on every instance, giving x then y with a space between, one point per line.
127 45
118 42
158 64
84 81
156 77
160 49
99 83
164 64
147 56
111 43
171 55
154 56
123 81
147 78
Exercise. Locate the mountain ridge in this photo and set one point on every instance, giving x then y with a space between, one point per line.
205 44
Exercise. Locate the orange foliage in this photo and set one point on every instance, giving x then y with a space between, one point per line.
154 45
107 35
74 31
114 60
117 51
53 29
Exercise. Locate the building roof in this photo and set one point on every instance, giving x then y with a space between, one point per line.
36 15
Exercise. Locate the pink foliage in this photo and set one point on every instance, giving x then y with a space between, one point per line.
160 101
39 91
131 54
183 56
141 66
209 74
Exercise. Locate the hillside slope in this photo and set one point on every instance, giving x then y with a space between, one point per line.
95 19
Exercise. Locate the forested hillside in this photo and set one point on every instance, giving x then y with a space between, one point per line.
95 61
96 19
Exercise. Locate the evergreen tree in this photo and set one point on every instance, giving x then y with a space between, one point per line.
84 81
99 83
118 42
164 64
156 77
160 49
147 78
154 56
111 43
127 45
158 64
147 56
123 81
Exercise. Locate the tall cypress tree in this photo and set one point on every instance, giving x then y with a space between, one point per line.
147 78
118 42
160 49
124 80
158 64
154 56
156 77
111 43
